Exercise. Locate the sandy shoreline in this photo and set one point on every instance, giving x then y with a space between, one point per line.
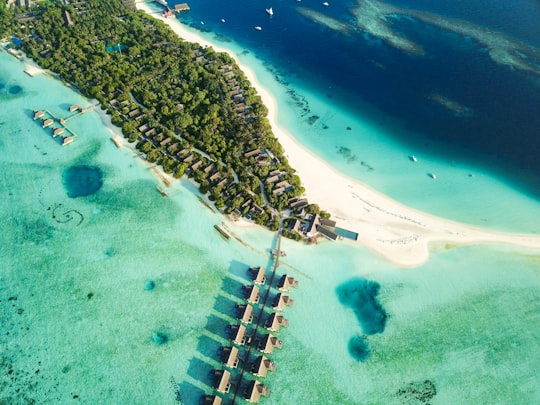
398 233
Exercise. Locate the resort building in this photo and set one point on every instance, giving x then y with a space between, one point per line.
286 282
237 334
229 356
274 322
268 342
280 301
244 313
258 275
251 293
262 365
254 391
222 380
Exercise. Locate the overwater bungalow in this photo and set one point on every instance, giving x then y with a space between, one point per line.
254 391
66 140
268 342
211 400
222 380
229 356
286 282
258 275
74 108
38 114
57 131
245 313
237 334
252 294
262 365
280 301
274 322
47 122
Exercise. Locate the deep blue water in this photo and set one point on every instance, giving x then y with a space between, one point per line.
500 132
81 181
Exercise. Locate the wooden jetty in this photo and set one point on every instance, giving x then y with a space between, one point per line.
117 142
222 232
281 253
161 191
181 7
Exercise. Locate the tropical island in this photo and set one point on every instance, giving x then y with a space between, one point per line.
186 108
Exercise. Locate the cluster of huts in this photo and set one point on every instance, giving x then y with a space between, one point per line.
198 164
58 126
252 339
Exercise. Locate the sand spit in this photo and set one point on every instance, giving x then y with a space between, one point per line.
398 233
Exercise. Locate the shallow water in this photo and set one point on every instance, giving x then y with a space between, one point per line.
121 296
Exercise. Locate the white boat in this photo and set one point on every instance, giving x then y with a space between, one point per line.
258 28
269 11
223 20
413 158
325 4
432 175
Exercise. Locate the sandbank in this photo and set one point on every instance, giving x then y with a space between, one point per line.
394 231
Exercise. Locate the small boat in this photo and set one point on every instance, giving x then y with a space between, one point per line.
432 175
325 4
223 20
413 158
269 11
258 28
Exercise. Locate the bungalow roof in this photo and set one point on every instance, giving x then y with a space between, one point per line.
222 380
254 391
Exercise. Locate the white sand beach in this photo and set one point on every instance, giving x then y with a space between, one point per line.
396 232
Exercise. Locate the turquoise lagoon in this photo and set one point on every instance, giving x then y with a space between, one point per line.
121 296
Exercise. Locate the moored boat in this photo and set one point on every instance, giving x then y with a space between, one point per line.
269 11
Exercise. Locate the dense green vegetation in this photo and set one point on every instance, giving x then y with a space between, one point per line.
145 76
